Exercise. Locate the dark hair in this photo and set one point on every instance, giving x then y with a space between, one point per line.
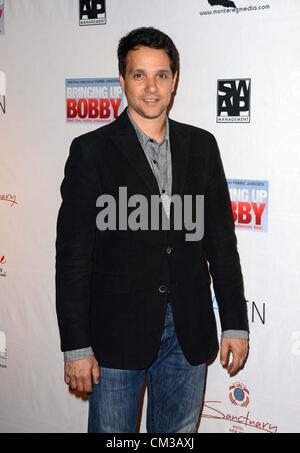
149 37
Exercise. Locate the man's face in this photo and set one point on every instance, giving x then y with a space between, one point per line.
148 82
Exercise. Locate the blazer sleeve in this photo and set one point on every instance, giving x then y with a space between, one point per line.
221 246
76 224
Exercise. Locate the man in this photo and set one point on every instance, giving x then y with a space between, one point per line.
136 303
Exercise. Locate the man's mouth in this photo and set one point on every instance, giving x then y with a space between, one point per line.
150 101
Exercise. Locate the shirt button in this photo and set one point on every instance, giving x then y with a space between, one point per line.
162 289
154 161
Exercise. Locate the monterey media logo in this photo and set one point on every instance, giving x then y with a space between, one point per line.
94 100
2 92
225 3
250 203
229 6
233 101
92 12
1 16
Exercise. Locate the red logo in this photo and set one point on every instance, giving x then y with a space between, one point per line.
239 395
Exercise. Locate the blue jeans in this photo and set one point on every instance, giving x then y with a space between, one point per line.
175 392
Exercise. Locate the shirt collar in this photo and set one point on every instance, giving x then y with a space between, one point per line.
144 138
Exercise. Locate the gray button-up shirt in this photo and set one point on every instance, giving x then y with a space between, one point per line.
159 158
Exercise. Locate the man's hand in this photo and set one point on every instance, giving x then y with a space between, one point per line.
81 374
239 348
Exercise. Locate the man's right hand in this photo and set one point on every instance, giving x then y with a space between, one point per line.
81 374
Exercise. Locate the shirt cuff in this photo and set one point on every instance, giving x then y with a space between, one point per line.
235 334
78 354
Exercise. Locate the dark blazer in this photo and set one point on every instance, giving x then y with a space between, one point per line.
112 287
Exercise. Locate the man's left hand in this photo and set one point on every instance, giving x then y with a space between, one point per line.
239 348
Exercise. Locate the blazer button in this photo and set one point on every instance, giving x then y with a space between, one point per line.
162 289
169 250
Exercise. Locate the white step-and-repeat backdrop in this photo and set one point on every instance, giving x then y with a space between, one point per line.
240 79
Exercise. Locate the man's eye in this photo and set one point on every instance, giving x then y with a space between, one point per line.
162 76
137 76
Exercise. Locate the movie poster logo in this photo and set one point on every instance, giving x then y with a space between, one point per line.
3 350
1 16
92 12
98 100
2 92
233 101
250 202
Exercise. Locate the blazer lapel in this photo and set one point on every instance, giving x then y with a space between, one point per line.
126 140
179 142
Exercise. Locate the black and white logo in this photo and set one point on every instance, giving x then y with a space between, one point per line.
233 101
216 7
92 12
225 3
2 92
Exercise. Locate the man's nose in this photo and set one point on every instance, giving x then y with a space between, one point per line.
151 85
